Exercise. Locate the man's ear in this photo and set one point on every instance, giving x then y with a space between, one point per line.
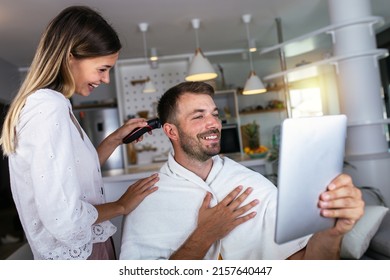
171 131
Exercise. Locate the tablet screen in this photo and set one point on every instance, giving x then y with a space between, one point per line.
311 155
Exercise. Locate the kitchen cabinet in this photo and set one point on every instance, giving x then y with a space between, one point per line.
227 104
242 109
253 108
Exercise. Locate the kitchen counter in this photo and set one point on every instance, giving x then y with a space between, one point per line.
141 171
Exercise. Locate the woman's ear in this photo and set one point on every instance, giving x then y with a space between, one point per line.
70 57
171 131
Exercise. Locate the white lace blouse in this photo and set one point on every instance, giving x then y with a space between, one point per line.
56 180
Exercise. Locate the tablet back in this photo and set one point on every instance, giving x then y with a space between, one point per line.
310 157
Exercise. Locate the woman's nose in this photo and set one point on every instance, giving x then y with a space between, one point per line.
106 77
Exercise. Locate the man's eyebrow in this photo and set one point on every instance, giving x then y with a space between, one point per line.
197 111
202 110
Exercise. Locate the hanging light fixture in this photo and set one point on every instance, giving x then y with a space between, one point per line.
153 58
252 46
148 86
153 54
200 68
253 85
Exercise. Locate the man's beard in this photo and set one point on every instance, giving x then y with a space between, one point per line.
194 149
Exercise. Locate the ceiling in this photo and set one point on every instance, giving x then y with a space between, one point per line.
170 30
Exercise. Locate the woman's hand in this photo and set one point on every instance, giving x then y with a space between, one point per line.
110 143
137 192
128 127
130 200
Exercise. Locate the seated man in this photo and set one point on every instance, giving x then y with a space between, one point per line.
191 216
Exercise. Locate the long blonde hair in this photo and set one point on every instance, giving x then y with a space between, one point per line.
77 30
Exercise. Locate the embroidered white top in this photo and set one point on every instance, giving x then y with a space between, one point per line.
165 219
55 180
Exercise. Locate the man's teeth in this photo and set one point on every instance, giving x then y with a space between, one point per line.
93 85
212 137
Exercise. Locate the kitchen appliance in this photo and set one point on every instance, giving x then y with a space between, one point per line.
230 139
98 123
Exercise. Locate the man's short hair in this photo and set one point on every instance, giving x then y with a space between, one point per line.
167 104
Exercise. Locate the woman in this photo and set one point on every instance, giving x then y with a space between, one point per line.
55 170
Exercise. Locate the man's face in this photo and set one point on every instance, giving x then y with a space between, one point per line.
199 126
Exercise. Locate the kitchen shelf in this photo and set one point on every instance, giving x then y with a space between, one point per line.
325 30
262 111
95 105
377 53
330 29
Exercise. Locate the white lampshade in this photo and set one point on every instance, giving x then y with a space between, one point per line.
153 54
253 85
148 87
200 68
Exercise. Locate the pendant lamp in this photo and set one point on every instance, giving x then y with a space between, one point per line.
253 85
153 58
148 86
200 68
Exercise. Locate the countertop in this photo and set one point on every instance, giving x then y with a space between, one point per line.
137 172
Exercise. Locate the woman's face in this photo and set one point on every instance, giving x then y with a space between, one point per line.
89 73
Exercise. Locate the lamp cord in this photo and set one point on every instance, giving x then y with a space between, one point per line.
145 48
196 38
249 52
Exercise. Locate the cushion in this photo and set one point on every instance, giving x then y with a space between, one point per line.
372 196
356 242
380 243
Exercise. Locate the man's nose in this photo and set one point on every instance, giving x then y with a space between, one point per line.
213 122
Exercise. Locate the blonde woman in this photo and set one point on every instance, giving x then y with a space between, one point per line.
55 172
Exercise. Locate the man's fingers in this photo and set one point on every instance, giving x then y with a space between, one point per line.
244 218
246 208
206 201
237 202
231 196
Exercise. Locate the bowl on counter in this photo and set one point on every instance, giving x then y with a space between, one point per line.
259 152
258 155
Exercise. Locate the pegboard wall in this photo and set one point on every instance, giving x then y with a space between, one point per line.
132 100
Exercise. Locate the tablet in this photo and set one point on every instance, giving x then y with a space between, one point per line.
311 155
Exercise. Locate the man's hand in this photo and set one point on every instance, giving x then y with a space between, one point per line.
342 201
216 222
219 220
